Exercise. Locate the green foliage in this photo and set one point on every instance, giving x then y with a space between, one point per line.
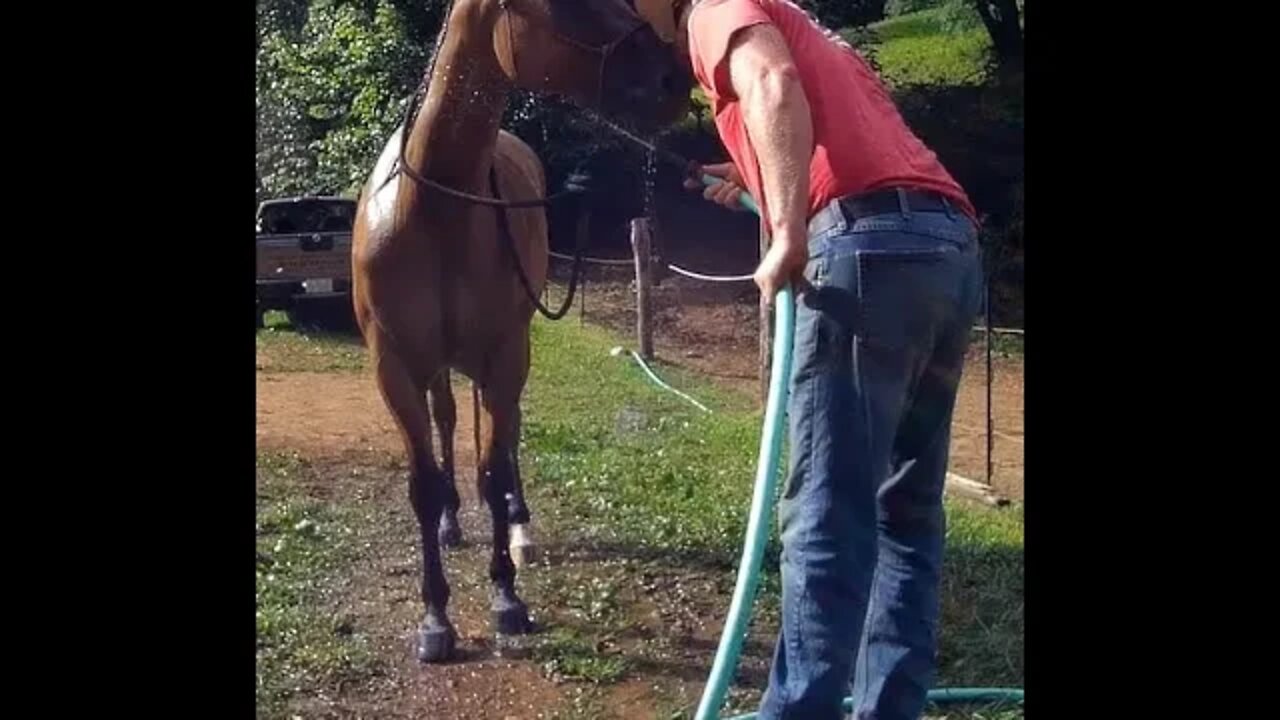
840 13
921 49
957 16
333 77
894 8
331 88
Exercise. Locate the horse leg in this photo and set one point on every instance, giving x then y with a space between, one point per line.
445 413
407 401
523 549
500 396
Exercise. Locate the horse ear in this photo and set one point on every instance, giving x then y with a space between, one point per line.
661 16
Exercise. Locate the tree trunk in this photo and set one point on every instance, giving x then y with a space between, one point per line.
1001 20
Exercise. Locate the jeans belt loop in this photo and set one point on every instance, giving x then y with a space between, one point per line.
826 218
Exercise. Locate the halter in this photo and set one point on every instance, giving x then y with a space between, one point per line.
604 51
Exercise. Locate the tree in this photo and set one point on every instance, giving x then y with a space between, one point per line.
332 77
1004 25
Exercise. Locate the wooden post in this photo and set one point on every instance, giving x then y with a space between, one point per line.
640 245
986 299
766 326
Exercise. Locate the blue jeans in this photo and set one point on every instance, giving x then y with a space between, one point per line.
879 347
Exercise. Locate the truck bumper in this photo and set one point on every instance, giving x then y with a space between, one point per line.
281 294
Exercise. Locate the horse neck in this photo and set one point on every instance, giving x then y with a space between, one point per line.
453 136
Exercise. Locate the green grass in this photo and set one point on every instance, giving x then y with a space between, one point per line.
653 469
302 546
916 49
1002 345
569 654
285 349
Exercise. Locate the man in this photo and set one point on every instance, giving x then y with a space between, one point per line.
881 245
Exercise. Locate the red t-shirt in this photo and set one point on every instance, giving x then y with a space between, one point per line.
861 142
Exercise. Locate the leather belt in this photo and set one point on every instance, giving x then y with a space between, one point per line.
880 202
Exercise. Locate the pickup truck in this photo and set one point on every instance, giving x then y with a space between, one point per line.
304 253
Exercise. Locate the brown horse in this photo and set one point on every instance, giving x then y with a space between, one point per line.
442 280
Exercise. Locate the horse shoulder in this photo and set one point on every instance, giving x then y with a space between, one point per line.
514 157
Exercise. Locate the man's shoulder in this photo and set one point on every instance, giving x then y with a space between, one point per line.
703 5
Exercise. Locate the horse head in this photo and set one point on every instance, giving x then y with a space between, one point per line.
601 54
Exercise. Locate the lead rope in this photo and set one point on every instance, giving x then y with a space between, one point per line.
509 242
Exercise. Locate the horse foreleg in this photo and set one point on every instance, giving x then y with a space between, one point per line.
445 413
407 402
523 549
496 478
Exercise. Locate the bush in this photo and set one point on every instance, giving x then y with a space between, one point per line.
958 16
894 8
843 13
917 49
332 78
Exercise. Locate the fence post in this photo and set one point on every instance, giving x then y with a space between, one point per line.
986 302
766 325
640 246
582 295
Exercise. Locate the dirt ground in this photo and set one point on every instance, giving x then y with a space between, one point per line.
337 422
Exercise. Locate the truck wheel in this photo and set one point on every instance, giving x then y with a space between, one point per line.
262 318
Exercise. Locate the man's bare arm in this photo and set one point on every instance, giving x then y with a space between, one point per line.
776 113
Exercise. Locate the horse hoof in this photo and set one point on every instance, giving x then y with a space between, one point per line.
435 643
522 548
524 555
512 619
450 534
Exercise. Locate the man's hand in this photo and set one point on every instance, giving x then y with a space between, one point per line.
783 263
724 193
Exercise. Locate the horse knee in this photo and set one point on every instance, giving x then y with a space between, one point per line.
517 511
427 492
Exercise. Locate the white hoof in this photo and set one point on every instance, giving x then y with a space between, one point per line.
523 550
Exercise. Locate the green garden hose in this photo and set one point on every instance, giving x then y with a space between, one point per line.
758 521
